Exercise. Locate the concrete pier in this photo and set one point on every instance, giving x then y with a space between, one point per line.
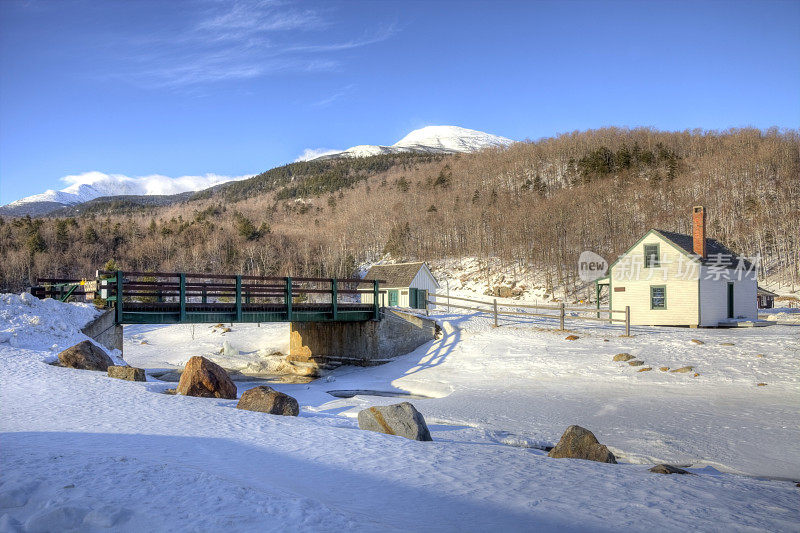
360 343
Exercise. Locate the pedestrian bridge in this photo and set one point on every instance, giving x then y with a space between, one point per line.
178 297
328 323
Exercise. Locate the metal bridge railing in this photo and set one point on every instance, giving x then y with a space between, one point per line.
165 297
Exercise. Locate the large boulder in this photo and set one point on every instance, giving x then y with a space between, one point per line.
206 379
130 373
85 356
580 443
267 400
400 419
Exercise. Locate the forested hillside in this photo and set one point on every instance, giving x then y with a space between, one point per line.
536 205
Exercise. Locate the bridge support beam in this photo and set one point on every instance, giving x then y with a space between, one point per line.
360 343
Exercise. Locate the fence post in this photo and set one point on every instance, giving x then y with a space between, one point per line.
495 314
335 298
288 298
627 320
119 296
182 296
561 315
238 298
376 305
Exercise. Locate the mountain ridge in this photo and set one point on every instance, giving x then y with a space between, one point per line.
430 139
95 186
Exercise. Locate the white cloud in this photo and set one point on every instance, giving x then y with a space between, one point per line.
328 100
235 40
153 184
313 153
90 185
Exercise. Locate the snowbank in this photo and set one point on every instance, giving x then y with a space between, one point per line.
28 322
122 456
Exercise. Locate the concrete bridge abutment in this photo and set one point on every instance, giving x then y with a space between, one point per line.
105 331
360 343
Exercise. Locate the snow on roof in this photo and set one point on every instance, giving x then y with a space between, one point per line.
397 275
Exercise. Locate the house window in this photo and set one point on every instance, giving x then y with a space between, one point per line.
651 255
658 297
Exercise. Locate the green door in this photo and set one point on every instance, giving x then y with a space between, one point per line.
413 298
392 297
730 300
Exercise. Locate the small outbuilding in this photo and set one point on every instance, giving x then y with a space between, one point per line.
674 279
403 284
766 299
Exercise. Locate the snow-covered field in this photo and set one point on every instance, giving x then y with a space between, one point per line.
84 452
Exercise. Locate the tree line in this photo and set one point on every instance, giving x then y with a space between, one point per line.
536 205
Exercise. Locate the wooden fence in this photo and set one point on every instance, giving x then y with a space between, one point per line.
496 309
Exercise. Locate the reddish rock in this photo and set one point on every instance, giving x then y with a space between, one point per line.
267 400
580 443
668 469
206 379
128 373
85 356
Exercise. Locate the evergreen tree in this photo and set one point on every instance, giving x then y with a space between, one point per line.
444 177
90 235
62 235
35 243
402 184
245 227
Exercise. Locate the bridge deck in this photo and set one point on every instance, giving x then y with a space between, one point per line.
169 298
199 313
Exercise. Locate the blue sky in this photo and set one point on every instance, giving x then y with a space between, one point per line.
188 88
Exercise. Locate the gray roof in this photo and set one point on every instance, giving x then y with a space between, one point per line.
397 275
716 252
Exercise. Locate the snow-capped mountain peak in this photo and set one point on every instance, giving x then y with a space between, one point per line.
451 138
430 139
90 185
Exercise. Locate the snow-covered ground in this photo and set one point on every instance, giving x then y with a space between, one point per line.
790 315
84 452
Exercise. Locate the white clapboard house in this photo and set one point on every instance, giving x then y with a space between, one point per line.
674 279
403 284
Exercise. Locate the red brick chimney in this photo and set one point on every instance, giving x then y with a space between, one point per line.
699 230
